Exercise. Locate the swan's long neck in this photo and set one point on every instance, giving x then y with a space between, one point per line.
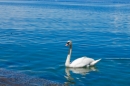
67 63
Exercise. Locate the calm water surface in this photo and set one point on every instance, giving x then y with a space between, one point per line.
33 37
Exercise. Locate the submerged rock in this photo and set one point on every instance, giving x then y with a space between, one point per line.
11 78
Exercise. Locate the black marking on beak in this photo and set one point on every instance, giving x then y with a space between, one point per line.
67 43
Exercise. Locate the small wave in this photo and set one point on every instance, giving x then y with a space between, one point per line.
118 58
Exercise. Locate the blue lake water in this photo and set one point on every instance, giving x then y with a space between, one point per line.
33 35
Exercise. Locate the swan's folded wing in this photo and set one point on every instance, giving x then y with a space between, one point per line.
81 62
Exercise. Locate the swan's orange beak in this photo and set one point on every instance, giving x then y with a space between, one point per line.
66 45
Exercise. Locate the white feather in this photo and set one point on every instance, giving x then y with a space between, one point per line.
81 62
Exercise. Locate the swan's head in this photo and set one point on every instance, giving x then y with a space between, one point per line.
68 43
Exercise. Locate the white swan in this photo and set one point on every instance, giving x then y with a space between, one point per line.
80 62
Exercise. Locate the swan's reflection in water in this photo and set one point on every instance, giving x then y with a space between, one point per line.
81 71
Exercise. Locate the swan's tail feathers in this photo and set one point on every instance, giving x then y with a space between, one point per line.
94 62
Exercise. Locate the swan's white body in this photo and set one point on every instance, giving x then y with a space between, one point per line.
80 62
